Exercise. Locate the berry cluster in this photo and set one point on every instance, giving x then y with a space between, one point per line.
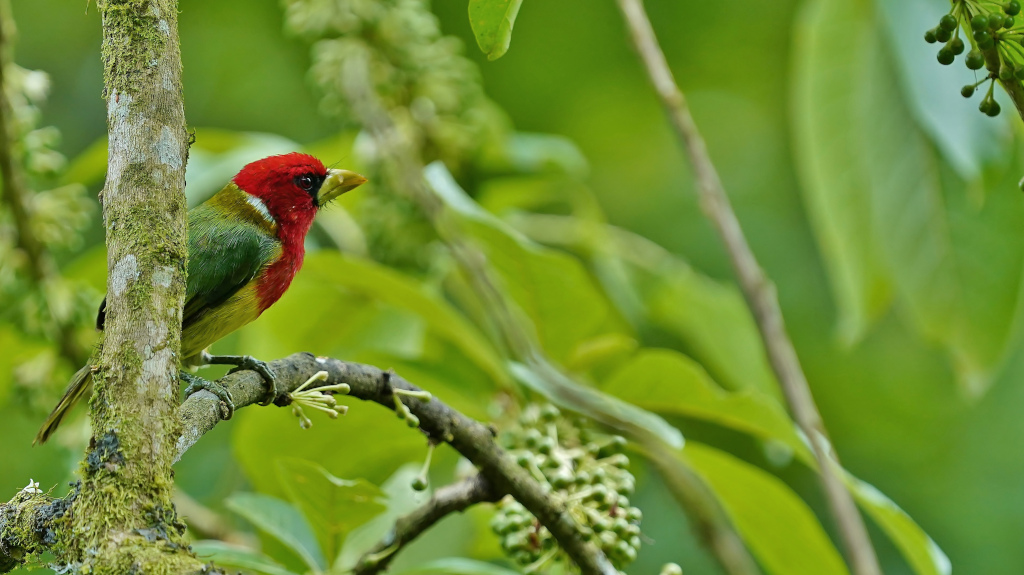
992 26
588 471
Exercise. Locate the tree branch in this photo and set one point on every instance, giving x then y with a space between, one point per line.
27 524
757 288
201 412
449 499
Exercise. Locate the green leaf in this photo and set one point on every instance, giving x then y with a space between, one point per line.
332 505
934 232
967 139
227 555
459 566
395 289
920 551
831 104
668 382
776 524
492 22
282 521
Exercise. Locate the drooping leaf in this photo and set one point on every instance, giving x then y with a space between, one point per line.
282 521
668 382
228 555
934 233
492 22
776 524
920 551
833 156
333 506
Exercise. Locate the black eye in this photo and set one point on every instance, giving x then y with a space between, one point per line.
304 181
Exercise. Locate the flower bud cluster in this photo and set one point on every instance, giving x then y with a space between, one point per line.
586 470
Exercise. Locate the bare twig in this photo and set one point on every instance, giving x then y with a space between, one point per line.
15 195
757 288
201 412
449 499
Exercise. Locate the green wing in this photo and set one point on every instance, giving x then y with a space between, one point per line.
223 256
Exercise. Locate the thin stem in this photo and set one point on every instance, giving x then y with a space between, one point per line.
454 498
757 288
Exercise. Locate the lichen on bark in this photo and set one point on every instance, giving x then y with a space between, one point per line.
123 519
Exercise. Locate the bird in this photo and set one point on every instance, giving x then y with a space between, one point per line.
245 245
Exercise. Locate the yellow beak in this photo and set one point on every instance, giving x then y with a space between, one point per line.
338 182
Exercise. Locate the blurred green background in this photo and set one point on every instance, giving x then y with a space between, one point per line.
904 312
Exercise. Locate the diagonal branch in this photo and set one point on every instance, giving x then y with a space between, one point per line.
201 412
757 288
454 498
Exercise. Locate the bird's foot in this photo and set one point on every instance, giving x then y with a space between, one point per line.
248 362
196 383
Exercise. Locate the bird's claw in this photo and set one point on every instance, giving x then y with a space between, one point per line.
196 383
250 363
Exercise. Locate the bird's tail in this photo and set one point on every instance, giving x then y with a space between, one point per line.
77 387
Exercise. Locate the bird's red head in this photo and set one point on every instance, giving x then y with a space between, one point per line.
293 186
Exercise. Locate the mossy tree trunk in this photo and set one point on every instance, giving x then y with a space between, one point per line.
123 521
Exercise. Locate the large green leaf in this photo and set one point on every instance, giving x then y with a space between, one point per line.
283 522
668 382
832 153
776 524
935 234
920 551
652 286
492 22
228 555
333 506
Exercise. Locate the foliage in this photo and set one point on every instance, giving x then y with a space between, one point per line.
890 230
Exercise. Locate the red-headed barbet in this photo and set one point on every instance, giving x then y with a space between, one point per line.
245 244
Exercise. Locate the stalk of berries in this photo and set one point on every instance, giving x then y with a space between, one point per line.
587 471
991 25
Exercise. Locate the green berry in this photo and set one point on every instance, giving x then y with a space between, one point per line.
948 22
929 36
985 105
995 22
957 46
1012 7
419 484
532 437
671 569
967 91
983 38
943 35
523 459
634 514
1008 22
546 445
549 413
979 22
975 60
620 527
1005 72
993 110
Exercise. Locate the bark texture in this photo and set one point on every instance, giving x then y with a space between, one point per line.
123 520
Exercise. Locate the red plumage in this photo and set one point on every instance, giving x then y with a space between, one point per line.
273 181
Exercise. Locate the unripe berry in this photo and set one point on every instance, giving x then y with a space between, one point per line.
967 91
985 105
943 35
979 22
1005 72
929 36
975 60
671 569
1012 7
948 22
995 22
983 38
993 110
1008 22
957 46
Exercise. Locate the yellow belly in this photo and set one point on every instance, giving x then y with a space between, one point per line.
216 323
